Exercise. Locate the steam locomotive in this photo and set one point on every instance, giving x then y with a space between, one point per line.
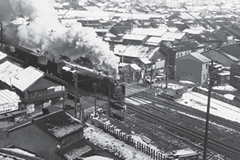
65 70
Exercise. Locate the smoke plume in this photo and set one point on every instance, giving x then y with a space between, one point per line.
43 30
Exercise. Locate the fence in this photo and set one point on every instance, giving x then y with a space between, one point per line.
217 96
118 134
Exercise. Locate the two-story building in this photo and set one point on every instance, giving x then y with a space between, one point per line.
192 67
54 136
32 85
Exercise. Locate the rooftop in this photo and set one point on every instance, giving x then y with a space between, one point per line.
25 78
7 97
58 124
134 37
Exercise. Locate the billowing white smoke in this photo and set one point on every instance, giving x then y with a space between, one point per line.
44 31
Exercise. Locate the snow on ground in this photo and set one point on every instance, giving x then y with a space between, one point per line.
188 82
137 101
97 158
229 96
225 88
108 142
218 108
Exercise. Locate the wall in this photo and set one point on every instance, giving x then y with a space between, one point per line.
187 69
31 138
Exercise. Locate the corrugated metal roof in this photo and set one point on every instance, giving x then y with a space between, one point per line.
25 78
7 96
7 71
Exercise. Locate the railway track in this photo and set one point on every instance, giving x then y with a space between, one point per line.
179 107
229 150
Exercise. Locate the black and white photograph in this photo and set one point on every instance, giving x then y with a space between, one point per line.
120 80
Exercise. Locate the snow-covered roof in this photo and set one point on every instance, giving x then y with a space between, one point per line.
173 35
172 29
133 50
135 67
185 152
134 37
96 157
7 96
2 55
7 71
25 78
154 41
149 31
193 31
145 60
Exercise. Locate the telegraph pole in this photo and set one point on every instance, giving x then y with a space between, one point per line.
167 66
208 110
95 107
75 76
1 28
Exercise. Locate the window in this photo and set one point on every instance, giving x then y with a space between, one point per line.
206 66
203 77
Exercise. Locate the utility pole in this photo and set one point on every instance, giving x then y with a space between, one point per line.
130 75
167 66
95 107
1 28
75 76
151 74
109 99
208 110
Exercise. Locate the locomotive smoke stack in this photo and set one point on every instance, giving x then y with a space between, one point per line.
44 31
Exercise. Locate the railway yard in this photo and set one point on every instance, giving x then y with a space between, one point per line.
172 126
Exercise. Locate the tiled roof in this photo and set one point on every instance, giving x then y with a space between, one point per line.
193 44
119 29
181 48
58 124
232 49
